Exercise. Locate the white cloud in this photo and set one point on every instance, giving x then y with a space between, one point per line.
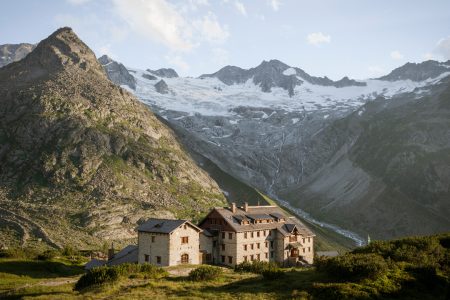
210 29
176 27
77 2
317 38
157 20
443 48
220 56
240 7
396 55
274 4
428 56
178 62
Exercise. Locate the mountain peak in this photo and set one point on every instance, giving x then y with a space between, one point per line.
62 50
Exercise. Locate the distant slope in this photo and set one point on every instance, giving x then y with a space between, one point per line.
390 175
13 52
82 160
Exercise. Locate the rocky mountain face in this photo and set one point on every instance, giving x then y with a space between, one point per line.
13 52
275 73
164 72
81 159
117 72
418 72
162 87
278 142
389 174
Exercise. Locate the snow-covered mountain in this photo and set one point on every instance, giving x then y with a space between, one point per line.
263 125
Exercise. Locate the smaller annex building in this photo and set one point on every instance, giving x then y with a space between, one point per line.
169 242
227 236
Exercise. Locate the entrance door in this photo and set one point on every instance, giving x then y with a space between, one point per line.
185 258
294 252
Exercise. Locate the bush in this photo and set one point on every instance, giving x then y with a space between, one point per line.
12 253
69 251
98 276
273 273
105 274
205 273
353 266
47 255
257 267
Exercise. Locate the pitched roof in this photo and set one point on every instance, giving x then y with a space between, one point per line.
129 254
163 225
234 219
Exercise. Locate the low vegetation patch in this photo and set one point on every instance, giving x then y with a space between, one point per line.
106 274
205 273
257 267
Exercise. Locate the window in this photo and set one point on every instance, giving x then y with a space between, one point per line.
146 258
185 226
184 239
309 240
258 257
271 244
223 235
252 233
271 254
251 257
270 232
230 259
223 247
158 259
251 246
309 249
245 258
266 254
245 235
223 258
257 233
265 232
258 245
245 247
303 250
230 235
266 244
153 239
303 240
185 258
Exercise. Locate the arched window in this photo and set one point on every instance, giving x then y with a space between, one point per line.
185 258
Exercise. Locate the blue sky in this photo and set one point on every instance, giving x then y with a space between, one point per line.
355 38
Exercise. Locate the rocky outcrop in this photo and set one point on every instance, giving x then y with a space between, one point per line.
162 87
117 72
13 52
82 157
418 71
164 72
149 77
275 73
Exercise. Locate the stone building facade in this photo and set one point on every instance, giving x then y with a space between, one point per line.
227 236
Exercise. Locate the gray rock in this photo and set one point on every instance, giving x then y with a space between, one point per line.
13 52
117 72
418 72
164 72
149 77
162 87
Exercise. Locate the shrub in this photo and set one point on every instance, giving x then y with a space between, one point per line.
106 274
257 267
272 273
47 255
12 253
205 273
69 251
353 266
98 276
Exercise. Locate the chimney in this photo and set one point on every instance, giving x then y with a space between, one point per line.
233 207
246 206
111 251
